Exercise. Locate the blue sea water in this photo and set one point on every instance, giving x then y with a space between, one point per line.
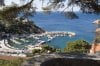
56 21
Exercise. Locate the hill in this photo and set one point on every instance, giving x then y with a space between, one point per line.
15 20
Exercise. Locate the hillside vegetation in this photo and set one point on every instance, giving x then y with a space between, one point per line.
16 20
16 62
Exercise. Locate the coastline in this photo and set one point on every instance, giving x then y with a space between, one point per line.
12 51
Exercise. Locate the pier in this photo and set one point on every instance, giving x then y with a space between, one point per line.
53 34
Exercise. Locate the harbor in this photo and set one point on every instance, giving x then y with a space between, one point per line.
28 44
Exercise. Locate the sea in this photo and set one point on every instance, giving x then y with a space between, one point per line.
57 21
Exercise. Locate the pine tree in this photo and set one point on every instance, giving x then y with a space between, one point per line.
14 19
86 6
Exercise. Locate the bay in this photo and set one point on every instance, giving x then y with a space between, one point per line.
56 21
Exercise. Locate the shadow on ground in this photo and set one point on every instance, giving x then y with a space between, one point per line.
70 62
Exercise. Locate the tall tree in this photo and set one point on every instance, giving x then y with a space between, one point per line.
78 46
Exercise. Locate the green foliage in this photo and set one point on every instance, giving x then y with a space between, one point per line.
17 62
78 46
86 6
12 22
9 13
59 50
36 51
45 49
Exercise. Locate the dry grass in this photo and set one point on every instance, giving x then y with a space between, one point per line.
9 58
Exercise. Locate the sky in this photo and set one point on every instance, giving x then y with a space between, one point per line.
36 3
